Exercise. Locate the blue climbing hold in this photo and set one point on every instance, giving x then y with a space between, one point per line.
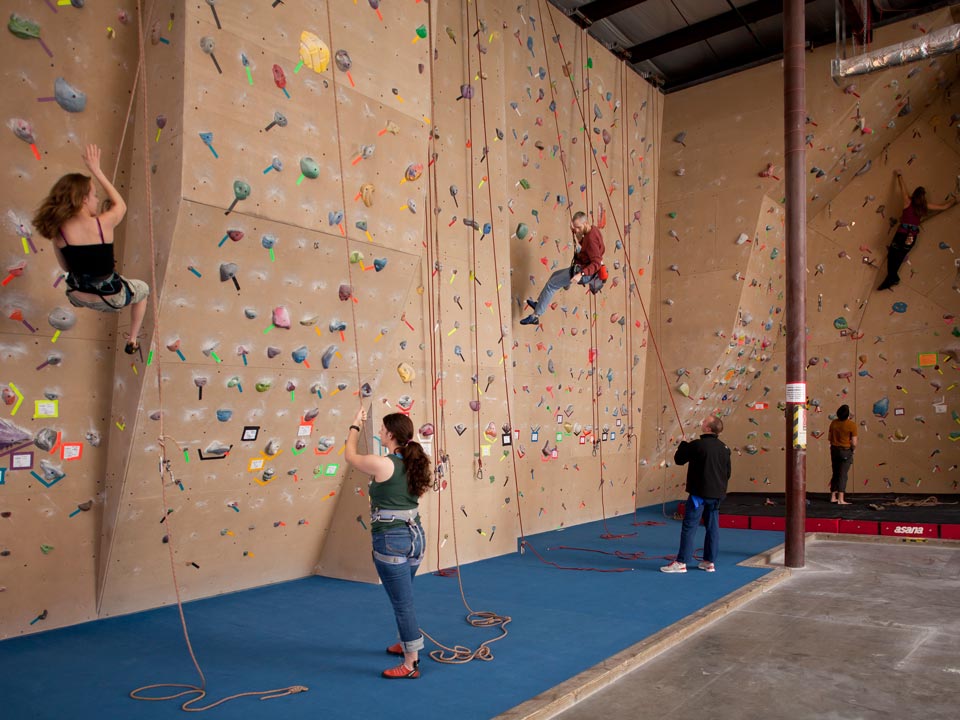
881 408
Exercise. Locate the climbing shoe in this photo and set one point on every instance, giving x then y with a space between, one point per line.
396 649
402 672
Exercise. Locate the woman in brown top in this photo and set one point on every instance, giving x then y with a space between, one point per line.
843 441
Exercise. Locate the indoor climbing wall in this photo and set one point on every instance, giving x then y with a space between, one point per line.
889 355
336 205
68 74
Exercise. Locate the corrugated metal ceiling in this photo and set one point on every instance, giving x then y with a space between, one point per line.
680 43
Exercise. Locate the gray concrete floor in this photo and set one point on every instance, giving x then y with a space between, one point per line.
863 631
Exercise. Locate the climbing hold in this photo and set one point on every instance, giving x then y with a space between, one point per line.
309 168
881 408
241 191
379 264
281 317
228 271
327 356
366 194
61 319
325 443
268 241
475 405
250 313
22 129
365 390
68 97
45 439
840 323
742 238
335 217
337 325
300 354
51 473
217 449
345 292
314 53
343 61
355 257
405 402
899 307
23 28
413 172
406 372
263 386
224 415
522 231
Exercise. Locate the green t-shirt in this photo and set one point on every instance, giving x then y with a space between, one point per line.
392 494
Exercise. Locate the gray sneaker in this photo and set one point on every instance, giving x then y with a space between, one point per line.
674 567
707 567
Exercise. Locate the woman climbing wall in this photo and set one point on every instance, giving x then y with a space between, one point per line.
915 207
83 242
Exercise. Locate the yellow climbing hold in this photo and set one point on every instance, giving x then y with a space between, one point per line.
314 53
406 372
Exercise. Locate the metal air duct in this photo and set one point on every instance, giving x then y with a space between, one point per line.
938 42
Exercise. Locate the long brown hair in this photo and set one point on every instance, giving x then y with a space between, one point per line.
64 201
919 200
415 460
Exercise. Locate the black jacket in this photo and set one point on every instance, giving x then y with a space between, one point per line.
709 468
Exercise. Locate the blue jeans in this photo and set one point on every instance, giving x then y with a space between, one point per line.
559 280
397 553
709 509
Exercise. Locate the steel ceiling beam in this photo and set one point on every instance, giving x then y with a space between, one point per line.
706 29
589 13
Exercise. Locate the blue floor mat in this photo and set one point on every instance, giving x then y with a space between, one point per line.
330 634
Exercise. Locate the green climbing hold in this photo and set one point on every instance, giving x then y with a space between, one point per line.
23 28
522 231
671 215
264 386
309 168
840 323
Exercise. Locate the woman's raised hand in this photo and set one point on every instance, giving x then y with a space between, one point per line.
91 156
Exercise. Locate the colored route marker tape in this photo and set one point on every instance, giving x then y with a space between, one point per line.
297 68
19 395
56 335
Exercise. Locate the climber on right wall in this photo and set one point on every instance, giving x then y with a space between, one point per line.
915 207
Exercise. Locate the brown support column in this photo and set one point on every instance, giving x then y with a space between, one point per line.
794 115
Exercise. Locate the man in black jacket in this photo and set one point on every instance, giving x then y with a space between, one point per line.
707 479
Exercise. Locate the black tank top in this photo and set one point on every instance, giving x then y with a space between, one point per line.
95 261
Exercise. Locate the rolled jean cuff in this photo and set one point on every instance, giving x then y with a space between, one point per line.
413 645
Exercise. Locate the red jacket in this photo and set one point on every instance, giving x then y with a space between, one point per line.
590 255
